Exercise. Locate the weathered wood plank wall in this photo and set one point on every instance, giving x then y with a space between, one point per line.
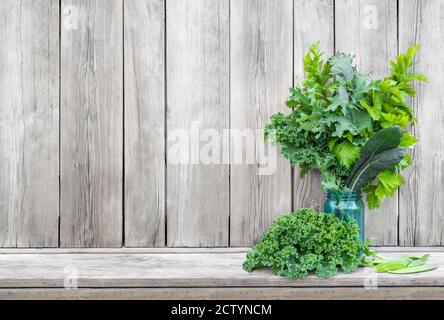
144 136
421 218
137 81
29 123
91 125
197 99
261 73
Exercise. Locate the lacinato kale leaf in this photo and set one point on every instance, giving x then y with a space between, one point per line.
309 241
379 154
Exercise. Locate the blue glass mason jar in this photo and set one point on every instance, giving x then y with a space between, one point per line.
347 205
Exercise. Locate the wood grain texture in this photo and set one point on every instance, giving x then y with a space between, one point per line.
150 250
91 123
197 94
313 21
144 123
368 28
273 293
29 123
191 270
421 217
162 250
261 73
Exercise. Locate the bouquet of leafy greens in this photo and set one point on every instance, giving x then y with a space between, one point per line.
348 126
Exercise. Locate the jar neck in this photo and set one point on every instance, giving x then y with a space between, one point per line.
344 195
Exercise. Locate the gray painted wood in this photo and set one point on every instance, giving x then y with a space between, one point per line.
29 123
91 123
162 250
313 21
144 123
191 270
261 73
274 293
422 198
149 250
368 28
197 92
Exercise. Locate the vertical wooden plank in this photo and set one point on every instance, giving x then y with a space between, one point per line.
313 21
91 123
261 73
368 28
144 123
421 218
198 97
29 123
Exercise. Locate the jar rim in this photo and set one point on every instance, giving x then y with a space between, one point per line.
345 194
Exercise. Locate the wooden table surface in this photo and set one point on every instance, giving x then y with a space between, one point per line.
195 274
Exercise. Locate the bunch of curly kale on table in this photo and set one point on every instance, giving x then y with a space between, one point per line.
310 241
307 240
336 110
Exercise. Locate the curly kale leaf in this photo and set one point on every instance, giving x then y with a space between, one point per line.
306 150
308 241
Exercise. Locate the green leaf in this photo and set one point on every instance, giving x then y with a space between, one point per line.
373 111
361 120
415 269
379 162
331 143
391 119
379 153
342 66
341 125
389 182
391 265
420 261
382 140
405 162
288 150
407 140
329 182
340 100
380 192
349 137
372 199
347 153
313 59
407 109
300 100
402 265
419 77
